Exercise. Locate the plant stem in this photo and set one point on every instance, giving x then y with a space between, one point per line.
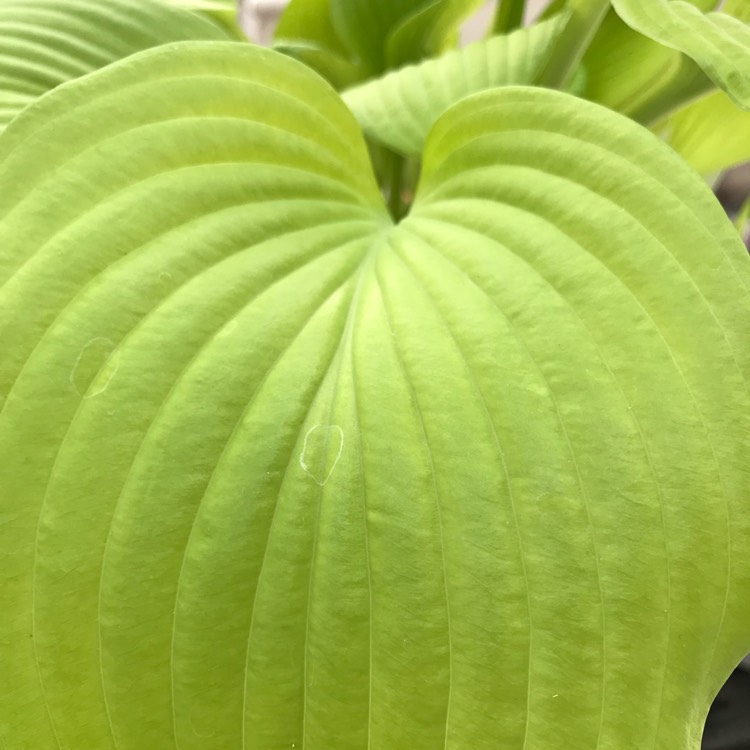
508 16
395 186
742 221
585 18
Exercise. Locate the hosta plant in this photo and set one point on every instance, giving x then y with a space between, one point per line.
410 417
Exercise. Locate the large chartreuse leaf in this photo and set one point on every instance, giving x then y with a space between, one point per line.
399 109
44 43
718 42
279 474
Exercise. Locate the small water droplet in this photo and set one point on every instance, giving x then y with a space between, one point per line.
321 451
95 367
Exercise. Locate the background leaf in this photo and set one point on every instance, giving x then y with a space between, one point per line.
712 134
399 109
429 32
718 42
364 27
306 33
633 74
224 12
737 8
276 472
367 37
310 21
45 43
627 70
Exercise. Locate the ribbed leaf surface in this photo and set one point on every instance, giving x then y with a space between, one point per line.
278 474
44 43
718 42
399 109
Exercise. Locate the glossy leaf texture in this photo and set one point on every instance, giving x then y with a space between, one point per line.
712 134
44 43
718 42
277 473
399 109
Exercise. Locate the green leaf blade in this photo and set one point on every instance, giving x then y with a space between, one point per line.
458 182
712 134
227 134
47 43
718 42
334 482
399 109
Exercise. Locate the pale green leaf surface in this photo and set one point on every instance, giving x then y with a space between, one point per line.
399 109
718 42
279 474
44 43
712 135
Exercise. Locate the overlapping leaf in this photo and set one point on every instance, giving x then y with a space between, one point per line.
277 473
629 72
399 109
713 134
44 43
352 40
429 32
225 12
718 42
635 75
